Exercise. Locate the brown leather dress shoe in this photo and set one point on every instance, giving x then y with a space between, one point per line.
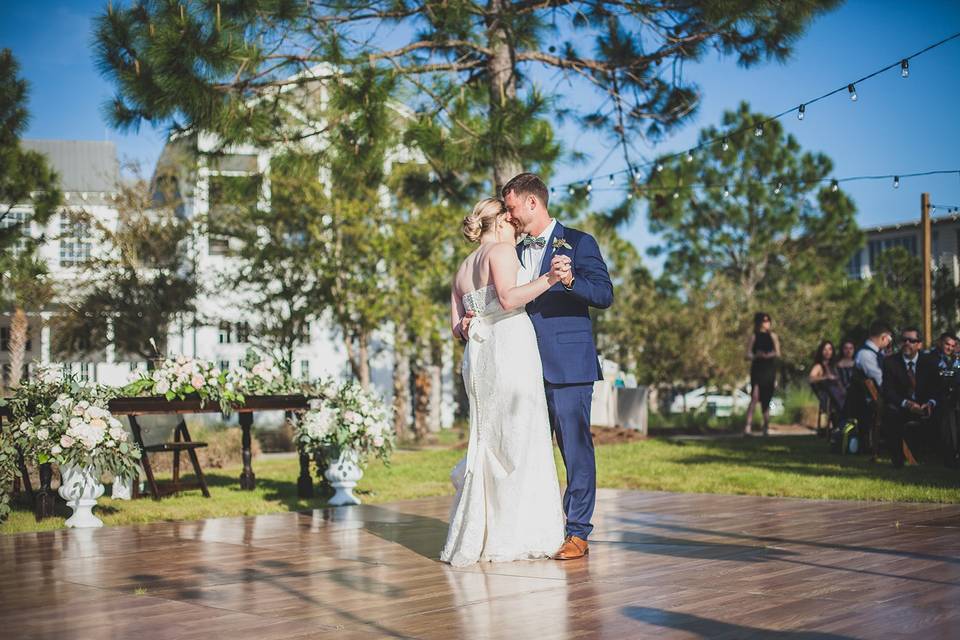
572 548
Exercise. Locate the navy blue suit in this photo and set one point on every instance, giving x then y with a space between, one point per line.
561 319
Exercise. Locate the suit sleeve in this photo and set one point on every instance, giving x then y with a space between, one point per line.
591 282
891 394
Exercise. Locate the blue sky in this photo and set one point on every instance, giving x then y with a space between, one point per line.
896 126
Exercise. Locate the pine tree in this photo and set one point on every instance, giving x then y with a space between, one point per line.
238 68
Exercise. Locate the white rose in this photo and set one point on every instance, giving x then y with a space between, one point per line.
99 424
66 441
42 434
212 381
197 381
378 441
56 450
107 443
162 387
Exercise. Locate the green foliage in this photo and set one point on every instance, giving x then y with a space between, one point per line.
142 282
25 177
244 69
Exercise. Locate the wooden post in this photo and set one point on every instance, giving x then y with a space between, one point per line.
927 276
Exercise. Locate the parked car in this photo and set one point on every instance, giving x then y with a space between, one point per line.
718 403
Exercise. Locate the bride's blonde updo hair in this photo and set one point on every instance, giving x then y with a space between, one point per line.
483 218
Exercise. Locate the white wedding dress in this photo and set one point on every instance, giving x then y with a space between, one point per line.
507 505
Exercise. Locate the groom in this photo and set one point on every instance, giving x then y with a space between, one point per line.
561 319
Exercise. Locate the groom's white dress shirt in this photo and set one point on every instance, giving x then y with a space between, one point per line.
533 258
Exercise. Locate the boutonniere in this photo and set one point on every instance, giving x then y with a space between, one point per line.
561 243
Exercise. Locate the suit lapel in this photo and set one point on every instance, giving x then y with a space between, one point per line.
548 250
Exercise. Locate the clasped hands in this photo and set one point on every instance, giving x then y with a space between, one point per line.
919 409
561 269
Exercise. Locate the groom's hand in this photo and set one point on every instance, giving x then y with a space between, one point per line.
562 266
465 324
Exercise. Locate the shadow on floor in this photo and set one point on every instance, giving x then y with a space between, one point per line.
707 628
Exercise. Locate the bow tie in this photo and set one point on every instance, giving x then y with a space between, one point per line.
536 243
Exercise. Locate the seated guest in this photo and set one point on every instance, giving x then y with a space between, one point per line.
910 386
845 363
946 415
824 377
868 366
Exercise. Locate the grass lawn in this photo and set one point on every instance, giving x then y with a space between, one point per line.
789 466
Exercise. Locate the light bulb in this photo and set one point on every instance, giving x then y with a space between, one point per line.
778 187
689 156
629 195
758 131
904 68
726 192
589 186
659 167
933 209
801 111
853 92
726 145
571 191
611 178
896 182
676 194
834 185
552 191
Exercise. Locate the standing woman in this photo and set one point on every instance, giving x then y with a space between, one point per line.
763 349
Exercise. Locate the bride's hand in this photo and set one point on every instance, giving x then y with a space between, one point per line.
559 267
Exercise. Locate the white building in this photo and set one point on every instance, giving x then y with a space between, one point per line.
90 179
945 245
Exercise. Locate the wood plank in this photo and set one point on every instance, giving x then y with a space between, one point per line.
661 565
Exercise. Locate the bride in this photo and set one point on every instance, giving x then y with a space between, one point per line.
507 505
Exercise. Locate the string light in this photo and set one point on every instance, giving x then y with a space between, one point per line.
726 191
676 194
834 186
896 182
779 186
589 186
903 64
659 167
612 181
689 156
571 190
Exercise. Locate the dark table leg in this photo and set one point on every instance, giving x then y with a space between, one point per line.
247 480
43 504
305 481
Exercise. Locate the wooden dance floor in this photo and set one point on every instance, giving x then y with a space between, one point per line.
661 566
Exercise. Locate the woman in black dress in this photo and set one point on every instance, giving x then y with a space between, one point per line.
845 364
763 349
825 378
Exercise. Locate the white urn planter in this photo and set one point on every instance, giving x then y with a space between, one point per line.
80 487
343 475
122 489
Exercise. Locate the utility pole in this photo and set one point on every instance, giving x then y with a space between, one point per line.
927 296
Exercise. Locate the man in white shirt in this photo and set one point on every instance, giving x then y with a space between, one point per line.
869 359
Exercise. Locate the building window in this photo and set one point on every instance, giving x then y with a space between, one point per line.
855 266
224 365
21 219
304 336
225 335
75 241
229 197
877 247
84 371
304 369
242 331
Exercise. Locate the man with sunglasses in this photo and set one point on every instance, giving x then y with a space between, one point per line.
910 390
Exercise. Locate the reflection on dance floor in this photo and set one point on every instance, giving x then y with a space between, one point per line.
661 565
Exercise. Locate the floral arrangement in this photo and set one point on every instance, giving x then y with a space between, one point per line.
58 419
350 419
182 377
261 375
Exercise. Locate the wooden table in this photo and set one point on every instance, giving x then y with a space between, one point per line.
158 405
